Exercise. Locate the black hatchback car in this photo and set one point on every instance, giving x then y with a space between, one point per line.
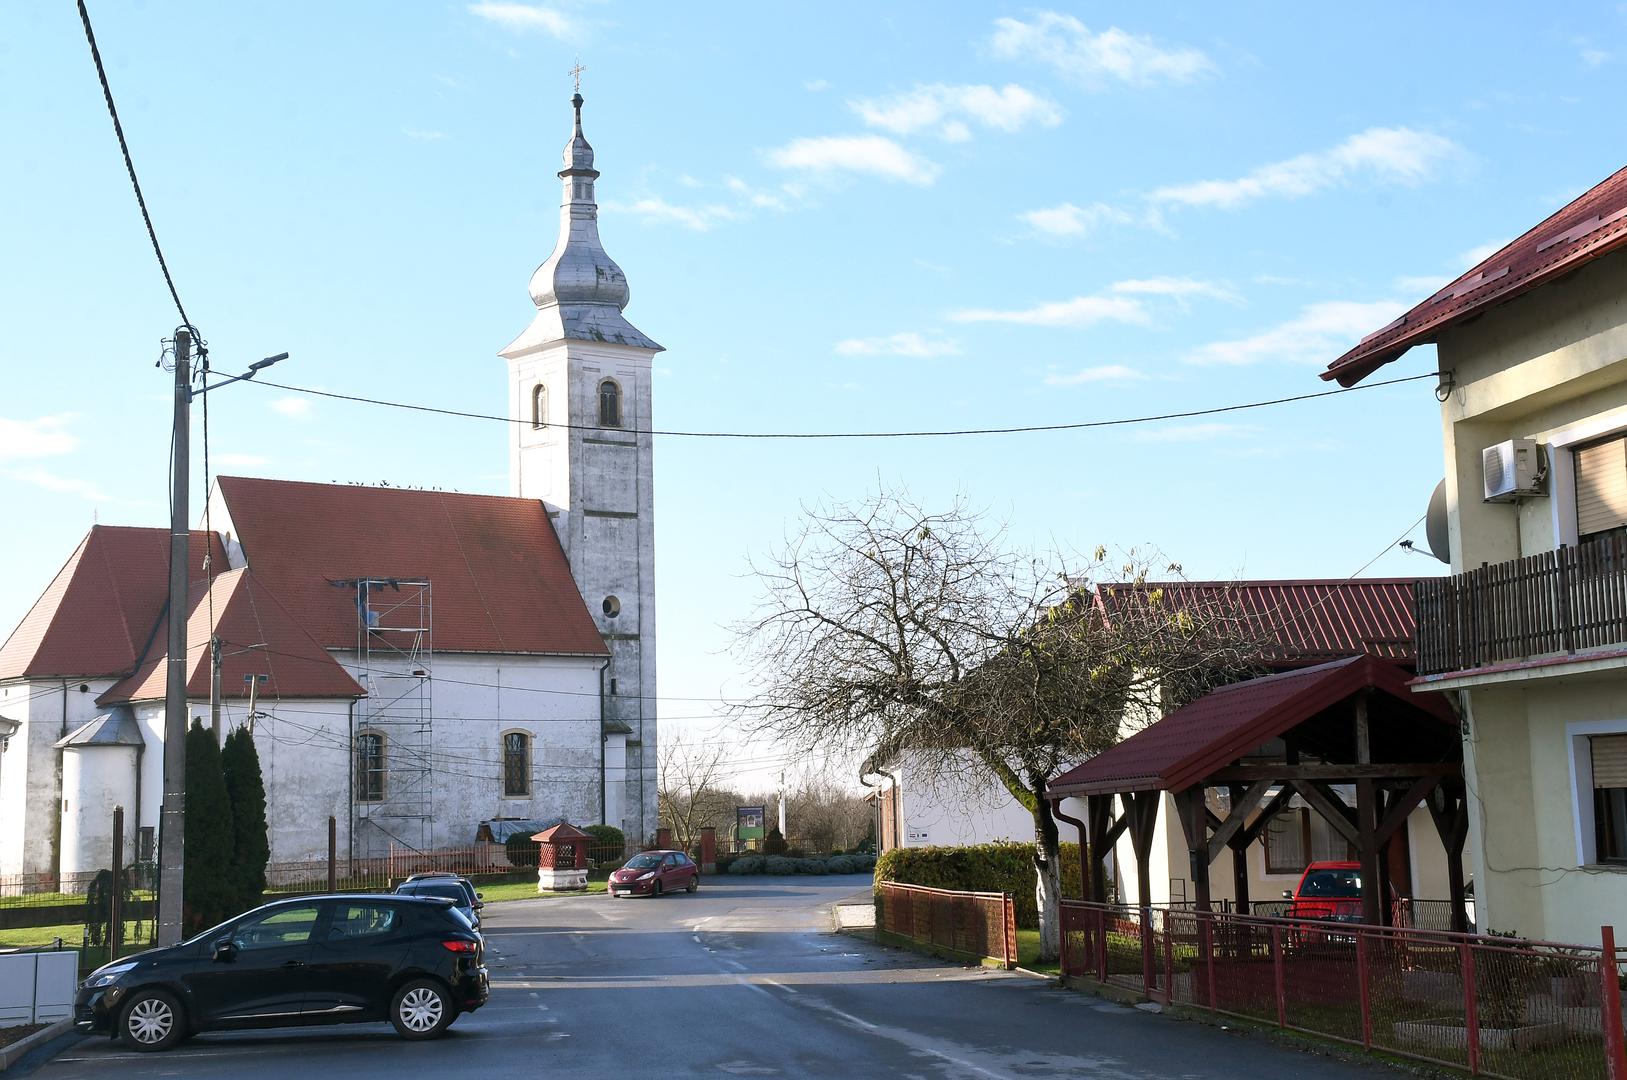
414 961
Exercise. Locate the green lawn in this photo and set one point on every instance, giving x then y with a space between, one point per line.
1028 954
523 890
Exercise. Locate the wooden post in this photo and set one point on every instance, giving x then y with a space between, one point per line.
1240 896
115 906
1143 811
1471 1006
1364 989
333 854
1615 1054
1194 822
1279 977
1372 896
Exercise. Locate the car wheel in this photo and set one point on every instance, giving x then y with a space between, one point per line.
421 1010
694 883
151 1020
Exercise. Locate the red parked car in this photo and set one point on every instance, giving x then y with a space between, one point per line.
652 873
1327 891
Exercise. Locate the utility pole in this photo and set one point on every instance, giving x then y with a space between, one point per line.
214 684
782 804
172 817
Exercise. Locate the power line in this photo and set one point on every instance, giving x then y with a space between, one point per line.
1029 429
129 165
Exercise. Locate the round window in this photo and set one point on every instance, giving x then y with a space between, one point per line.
612 607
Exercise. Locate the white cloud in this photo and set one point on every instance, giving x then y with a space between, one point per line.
1595 57
948 109
523 17
296 408
815 86
1068 46
1479 254
240 461
423 136
1388 155
44 437
1070 220
63 485
1421 284
1317 335
873 154
908 343
1103 373
1194 432
1178 288
1080 311
699 218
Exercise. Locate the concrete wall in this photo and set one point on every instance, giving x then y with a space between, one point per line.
95 780
599 486
1550 366
31 770
973 809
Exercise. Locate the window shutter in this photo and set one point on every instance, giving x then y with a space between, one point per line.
1609 761
1601 487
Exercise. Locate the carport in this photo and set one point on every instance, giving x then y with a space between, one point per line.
1350 724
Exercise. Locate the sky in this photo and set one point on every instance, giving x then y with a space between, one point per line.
838 217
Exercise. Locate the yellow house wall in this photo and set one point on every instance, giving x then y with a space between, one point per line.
1550 366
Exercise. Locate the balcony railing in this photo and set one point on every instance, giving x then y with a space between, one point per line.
1557 602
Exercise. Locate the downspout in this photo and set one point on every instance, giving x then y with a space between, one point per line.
350 788
1084 845
604 807
875 825
898 806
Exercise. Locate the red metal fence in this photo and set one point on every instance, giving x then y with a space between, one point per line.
1501 1007
978 924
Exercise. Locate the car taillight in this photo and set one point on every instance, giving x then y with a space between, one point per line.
456 945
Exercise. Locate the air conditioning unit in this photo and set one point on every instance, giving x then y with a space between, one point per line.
1513 470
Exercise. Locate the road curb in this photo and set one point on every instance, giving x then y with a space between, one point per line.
23 1047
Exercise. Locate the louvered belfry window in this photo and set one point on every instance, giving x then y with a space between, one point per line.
1601 487
1610 797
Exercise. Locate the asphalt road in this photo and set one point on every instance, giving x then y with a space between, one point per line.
741 979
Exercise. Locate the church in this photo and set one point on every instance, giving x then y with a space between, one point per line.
412 663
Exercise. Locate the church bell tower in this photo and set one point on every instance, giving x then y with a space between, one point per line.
579 391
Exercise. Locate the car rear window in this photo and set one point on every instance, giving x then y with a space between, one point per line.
1335 883
449 890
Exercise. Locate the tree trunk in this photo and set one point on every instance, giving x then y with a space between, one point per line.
1047 881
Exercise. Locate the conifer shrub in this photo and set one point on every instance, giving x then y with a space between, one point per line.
209 892
251 842
774 843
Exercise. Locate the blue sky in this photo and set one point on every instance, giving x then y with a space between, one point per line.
844 217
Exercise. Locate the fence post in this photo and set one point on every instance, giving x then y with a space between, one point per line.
115 906
1278 977
1471 1007
1615 1053
1101 944
1362 988
1169 963
333 854
1011 930
1206 921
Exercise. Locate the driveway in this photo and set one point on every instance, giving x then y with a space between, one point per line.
741 979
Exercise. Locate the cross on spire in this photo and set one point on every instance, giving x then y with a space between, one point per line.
576 74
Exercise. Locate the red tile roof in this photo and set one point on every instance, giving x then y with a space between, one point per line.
499 578
1309 621
1227 723
245 614
98 614
1588 228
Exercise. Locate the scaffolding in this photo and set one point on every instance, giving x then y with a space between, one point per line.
393 785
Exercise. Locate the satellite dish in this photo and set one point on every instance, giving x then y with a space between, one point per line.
1435 533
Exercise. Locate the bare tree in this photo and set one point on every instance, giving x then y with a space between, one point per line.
885 629
692 788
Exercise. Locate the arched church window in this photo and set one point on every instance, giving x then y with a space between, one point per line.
516 764
609 404
370 767
539 406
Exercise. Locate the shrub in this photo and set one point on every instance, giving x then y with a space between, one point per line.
521 850
208 892
607 836
747 864
999 867
840 864
778 865
724 862
811 866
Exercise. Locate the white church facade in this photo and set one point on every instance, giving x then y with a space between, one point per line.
412 663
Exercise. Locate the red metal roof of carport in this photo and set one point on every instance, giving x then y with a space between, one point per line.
1223 725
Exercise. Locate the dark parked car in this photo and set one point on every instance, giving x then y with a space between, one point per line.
652 873
459 890
414 961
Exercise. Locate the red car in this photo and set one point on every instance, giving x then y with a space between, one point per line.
1329 891
652 873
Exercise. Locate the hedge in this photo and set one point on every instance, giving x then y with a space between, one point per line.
784 864
999 867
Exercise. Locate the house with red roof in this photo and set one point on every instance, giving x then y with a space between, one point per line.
411 662
1527 639
1300 625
